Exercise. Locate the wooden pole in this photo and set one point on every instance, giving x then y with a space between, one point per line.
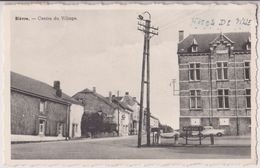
142 96
148 86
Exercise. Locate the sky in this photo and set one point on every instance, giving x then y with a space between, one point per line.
102 48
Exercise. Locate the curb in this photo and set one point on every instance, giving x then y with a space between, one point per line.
40 141
193 145
71 140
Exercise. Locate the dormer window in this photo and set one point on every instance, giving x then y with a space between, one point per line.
194 45
194 48
248 46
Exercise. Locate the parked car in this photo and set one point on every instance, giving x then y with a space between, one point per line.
209 130
170 134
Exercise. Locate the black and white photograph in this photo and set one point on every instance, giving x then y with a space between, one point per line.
112 83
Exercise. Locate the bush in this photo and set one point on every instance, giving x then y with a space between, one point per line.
95 124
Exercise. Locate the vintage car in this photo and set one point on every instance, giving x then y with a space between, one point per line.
170 134
209 130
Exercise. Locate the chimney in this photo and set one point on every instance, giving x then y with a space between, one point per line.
181 35
94 89
110 96
59 92
126 93
56 86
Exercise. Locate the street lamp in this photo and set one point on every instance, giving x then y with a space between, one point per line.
141 17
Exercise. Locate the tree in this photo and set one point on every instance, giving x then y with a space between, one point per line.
95 123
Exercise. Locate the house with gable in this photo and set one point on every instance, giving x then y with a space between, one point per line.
40 110
132 104
113 111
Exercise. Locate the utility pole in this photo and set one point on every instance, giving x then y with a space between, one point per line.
148 33
118 116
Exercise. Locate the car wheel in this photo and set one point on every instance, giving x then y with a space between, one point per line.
219 134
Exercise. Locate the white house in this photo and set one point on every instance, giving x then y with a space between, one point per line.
76 113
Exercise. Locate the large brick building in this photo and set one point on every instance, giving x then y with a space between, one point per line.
214 81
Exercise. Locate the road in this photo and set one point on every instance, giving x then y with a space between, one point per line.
121 148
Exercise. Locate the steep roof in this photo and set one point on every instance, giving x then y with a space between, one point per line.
203 41
100 97
117 101
37 88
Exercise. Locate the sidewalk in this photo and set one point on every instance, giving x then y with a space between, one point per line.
31 138
227 141
34 138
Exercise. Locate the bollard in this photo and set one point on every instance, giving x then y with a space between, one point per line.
153 138
186 137
200 136
158 138
211 139
176 138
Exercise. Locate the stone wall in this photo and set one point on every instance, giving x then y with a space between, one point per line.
25 115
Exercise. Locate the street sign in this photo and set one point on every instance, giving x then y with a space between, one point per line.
193 128
155 129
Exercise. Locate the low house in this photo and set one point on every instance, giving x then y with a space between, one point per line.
38 108
125 115
76 113
113 113
132 104
154 121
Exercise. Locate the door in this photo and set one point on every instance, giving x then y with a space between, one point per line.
60 129
73 130
41 127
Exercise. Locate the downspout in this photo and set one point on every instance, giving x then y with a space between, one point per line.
235 71
210 79
68 122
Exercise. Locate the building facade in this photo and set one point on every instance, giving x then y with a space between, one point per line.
132 104
76 113
38 108
114 111
214 81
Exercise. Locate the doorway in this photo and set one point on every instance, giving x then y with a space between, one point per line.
42 127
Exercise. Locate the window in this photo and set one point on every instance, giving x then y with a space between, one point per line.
248 98
224 121
247 70
195 99
194 71
222 70
195 121
194 48
42 106
248 46
223 102
60 127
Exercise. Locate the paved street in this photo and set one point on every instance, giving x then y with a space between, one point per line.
121 148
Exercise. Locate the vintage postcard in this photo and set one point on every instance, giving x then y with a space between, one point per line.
127 84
